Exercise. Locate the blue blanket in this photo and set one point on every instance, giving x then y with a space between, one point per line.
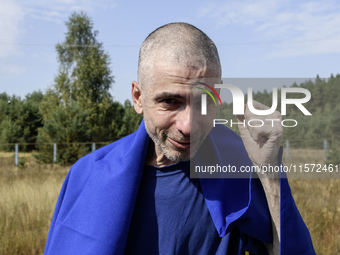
96 202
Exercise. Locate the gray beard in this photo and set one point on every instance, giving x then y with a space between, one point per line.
177 156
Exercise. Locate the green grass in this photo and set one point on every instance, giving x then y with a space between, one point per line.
28 196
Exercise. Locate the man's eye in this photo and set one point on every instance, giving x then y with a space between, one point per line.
168 101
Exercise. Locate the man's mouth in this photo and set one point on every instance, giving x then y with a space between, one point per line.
180 144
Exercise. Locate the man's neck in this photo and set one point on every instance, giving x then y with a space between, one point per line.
155 157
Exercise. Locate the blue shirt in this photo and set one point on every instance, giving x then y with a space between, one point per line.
171 217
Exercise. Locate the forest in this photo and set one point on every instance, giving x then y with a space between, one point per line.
310 131
78 108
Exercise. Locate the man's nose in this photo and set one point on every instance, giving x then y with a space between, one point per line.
185 122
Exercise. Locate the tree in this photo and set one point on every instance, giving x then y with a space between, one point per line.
335 123
84 73
68 127
19 120
131 119
81 92
32 118
11 121
10 132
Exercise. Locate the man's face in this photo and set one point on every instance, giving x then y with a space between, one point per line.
176 126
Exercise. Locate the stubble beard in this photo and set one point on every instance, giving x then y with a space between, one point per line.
177 155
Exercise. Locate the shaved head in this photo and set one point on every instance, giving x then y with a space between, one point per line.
180 44
171 59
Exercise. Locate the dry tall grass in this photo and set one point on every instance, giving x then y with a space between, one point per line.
28 197
318 200
27 200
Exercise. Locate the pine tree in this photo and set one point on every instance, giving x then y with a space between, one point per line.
11 121
32 118
68 127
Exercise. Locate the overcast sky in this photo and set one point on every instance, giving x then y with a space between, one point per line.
265 38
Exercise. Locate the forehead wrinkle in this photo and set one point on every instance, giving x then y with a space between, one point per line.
166 70
181 71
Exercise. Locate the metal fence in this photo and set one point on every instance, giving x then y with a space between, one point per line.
287 147
15 147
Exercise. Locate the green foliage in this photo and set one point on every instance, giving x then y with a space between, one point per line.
32 118
324 107
67 126
19 120
131 119
79 107
84 73
311 130
22 163
333 154
108 122
335 123
11 132
77 110
11 121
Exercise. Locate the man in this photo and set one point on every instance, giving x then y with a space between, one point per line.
135 196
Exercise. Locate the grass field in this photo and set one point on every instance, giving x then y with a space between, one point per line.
27 200
28 196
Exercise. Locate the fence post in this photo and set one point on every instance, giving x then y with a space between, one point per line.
325 150
93 147
287 150
16 154
54 153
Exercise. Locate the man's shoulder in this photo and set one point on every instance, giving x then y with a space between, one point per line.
110 161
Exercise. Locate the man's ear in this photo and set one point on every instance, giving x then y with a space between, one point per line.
137 97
